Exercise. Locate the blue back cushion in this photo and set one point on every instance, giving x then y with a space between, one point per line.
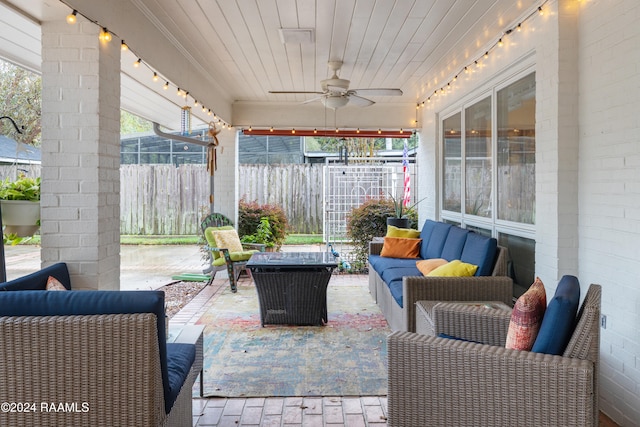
455 242
481 251
51 303
433 248
559 319
38 280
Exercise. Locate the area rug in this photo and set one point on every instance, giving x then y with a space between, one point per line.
346 357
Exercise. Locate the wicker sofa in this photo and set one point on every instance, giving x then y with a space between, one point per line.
91 358
396 283
445 382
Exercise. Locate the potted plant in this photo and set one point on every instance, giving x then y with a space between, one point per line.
20 204
263 235
400 219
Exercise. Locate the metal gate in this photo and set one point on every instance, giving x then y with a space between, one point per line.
347 187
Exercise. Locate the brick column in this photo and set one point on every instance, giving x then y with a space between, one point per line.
81 153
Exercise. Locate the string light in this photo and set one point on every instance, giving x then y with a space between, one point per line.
72 17
105 35
499 43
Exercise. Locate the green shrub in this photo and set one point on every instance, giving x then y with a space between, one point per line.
251 222
367 221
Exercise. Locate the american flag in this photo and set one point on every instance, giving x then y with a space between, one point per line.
407 177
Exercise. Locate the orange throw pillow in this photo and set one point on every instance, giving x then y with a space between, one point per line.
426 266
400 247
526 317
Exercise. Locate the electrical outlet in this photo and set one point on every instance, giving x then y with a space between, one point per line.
603 321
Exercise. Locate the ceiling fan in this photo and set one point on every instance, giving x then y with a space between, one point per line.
336 93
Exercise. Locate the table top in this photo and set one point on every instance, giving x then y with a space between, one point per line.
292 259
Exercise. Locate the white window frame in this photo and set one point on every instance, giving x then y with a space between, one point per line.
492 223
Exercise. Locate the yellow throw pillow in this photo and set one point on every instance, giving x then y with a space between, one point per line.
393 231
54 285
455 268
398 247
426 266
227 239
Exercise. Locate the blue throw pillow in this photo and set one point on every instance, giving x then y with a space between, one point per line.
559 319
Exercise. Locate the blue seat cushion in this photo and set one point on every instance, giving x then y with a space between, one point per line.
397 273
433 248
559 319
38 303
395 288
38 281
454 244
481 251
180 358
381 263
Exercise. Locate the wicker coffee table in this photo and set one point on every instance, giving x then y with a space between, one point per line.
292 286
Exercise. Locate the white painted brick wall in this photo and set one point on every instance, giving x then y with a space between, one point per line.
587 62
81 154
609 62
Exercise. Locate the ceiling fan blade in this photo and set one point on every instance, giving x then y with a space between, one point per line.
317 98
378 92
292 92
360 101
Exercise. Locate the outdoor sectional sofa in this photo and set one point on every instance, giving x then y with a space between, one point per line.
396 283
90 358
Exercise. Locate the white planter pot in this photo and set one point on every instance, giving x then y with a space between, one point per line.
20 217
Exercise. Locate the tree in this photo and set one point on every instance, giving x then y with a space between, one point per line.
21 99
130 123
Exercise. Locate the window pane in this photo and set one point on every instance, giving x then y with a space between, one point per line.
516 151
478 159
452 197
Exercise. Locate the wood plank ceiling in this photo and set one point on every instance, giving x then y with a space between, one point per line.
236 46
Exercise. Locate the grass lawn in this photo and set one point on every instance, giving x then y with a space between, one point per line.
292 239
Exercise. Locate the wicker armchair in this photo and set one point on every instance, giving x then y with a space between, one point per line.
73 368
444 382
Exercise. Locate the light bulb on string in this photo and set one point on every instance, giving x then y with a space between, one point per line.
137 63
165 86
72 17
105 35
123 46
155 77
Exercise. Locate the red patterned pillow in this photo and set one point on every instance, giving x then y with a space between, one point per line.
54 285
526 317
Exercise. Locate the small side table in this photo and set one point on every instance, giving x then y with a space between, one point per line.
189 334
424 312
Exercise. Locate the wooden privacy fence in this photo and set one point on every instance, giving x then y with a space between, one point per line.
169 200
297 188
